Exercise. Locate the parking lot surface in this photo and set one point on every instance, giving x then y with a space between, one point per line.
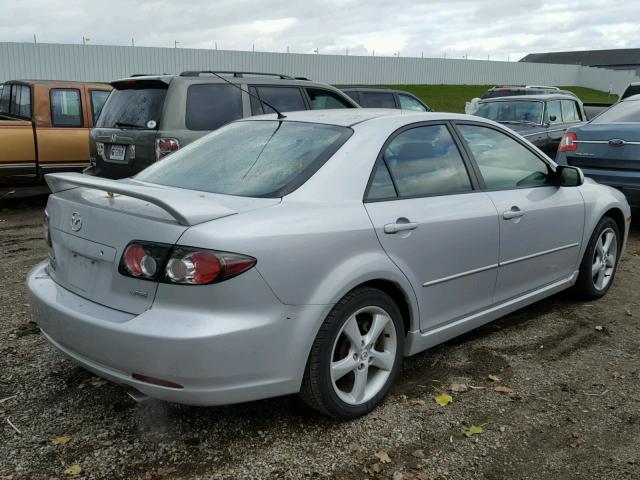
569 405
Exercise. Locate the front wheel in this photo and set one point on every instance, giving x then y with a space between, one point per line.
356 355
600 261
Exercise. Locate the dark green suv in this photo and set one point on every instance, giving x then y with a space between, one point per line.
148 117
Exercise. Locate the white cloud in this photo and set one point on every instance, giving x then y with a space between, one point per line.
500 29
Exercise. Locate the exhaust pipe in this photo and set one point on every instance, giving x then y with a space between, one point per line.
137 395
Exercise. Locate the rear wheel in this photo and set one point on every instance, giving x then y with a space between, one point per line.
356 355
600 261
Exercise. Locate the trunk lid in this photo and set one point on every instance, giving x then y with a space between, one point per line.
608 146
90 228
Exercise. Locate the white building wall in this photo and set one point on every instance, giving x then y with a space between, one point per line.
107 63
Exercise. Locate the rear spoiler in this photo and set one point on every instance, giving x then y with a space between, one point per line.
187 207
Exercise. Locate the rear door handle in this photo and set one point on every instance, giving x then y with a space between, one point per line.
515 212
399 227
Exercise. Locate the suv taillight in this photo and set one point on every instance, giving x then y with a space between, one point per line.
567 144
165 146
182 265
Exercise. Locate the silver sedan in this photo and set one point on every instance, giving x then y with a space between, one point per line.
312 253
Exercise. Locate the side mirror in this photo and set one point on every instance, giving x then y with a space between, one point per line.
553 118
569 176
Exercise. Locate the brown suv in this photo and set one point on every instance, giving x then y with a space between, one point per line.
148 117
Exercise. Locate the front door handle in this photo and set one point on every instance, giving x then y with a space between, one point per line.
400 226
515 212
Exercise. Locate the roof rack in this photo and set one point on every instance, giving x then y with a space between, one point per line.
197 73
147 74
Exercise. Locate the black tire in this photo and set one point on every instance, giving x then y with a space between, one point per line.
317 386
585 287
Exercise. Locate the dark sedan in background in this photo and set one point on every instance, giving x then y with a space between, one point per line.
607 148
541 119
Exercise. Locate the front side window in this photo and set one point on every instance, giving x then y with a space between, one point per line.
98 97
505 163
250 158
554 112
210 106
425 161
570 111
285 99
66 109
5 98
410 103
513 111
377 100
623 112
324 99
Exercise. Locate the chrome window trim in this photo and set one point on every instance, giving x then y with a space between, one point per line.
499 264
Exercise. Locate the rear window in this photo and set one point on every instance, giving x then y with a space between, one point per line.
211 106
250 158
137 105
623 112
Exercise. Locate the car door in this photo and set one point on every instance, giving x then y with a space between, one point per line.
434 223
541 223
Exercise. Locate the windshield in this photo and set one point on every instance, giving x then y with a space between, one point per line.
623 112
250 158
136 106
515 111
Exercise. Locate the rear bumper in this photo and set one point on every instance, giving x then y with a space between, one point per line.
218 358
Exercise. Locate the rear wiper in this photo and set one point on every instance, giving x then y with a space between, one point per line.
130 125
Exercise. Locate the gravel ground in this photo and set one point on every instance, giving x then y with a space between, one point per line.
573 412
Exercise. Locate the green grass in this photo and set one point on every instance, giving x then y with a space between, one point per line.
451 98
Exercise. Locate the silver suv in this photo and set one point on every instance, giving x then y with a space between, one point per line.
147 117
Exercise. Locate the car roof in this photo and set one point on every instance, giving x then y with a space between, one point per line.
262 79
349 117
542 96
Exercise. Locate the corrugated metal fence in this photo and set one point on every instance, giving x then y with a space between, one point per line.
106 63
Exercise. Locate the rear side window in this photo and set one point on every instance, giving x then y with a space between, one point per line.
210 106
381 185
570 111
410 103
324 99
554 112
98 97
136 105
377 100
285 99
66 109
423 161
260 158
623 112
353 95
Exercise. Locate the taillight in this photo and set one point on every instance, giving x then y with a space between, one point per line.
165 146
181 265
567 144
143 260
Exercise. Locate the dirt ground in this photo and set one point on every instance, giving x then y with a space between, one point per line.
573 412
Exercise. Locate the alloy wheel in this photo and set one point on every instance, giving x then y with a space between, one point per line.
363 355
604 259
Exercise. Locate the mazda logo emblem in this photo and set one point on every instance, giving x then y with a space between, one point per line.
616 142
76 221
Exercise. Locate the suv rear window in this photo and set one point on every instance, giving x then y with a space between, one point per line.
250 158
210 106
133 105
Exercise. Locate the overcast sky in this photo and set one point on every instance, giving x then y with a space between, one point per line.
499 29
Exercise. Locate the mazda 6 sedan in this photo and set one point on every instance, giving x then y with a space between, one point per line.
312 253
